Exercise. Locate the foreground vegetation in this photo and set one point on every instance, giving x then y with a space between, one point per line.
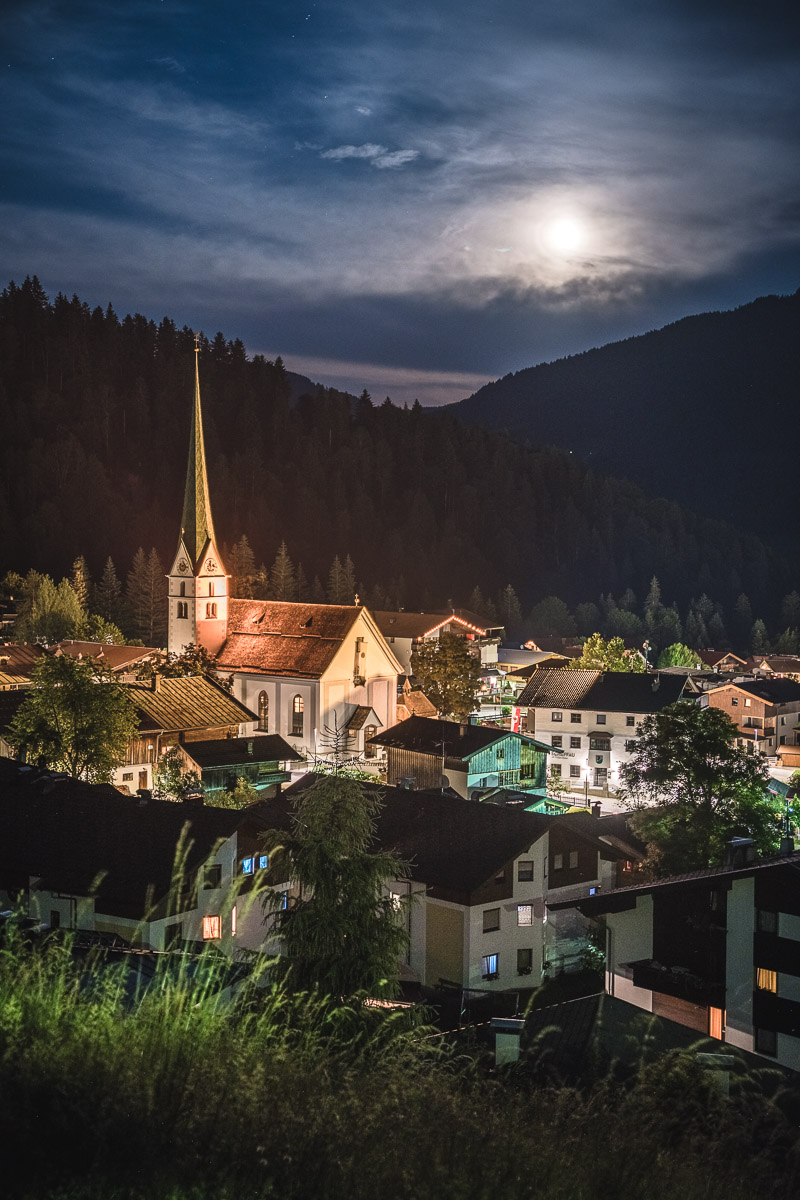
178 1092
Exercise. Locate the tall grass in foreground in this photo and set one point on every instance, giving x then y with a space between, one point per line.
184 1095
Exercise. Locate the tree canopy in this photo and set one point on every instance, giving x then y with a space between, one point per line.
678 655
601 655
449 674
692 789
76 717
343 935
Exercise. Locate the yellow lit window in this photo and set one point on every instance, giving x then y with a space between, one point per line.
716 1023
210 928
766 981
233 921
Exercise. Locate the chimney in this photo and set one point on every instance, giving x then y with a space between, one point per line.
787 845
740 851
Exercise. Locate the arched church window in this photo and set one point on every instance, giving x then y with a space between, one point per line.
298 706
183 611
263 712
211 611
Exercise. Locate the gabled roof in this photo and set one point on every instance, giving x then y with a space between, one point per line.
190 702
416 704
771 691
424 735
601 691
115 658
421 624
16 662
781 664
270 637
66 832
712 657
231 752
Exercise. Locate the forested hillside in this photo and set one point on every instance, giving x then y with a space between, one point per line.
95 423
704 411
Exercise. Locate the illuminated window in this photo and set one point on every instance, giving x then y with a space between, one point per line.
573 859
524 914
524 962
716 1023
748 702
284 900
233 921
263 712
491 920
766 980
556 716
489 966
248 866
395 900
558 862
211 612
525 870
298 707
263 862
210 928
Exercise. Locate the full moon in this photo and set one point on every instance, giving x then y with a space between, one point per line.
565 235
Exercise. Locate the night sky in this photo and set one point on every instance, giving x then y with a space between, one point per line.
412 197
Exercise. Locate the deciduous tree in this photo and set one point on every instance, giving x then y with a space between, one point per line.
678 655
692 789
449 674
76 717
601 655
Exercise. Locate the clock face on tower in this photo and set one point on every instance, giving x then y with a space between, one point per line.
183 566
211 566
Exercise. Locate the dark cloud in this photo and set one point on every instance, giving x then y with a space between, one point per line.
381 183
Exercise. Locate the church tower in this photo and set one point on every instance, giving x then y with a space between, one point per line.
198 585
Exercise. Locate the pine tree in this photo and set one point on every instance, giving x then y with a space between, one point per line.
790 610
282 578
317 591
107 594
758 637
81 582
303 586
336 591
510 612
349 580
742 620
717 635
243 570
146 594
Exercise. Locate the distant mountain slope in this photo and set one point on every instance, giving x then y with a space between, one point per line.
706 410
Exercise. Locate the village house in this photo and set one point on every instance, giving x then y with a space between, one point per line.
404 631
766 713
775 666
412 702
590 719
426 753
722 660
717 951
119 660
16 664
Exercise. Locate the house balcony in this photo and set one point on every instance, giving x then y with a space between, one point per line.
679 982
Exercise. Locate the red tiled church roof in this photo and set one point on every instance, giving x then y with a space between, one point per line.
270 637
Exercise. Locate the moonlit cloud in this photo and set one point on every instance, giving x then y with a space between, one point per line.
216 169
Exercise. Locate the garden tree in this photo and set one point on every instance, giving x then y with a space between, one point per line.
146 593
551 618
171 780
108 594
449 674
678 655
601 655
94 628
557 787
282 577
46 613
242 566
76 717
759 644
692 789
240 796
81 582
343 937
193 660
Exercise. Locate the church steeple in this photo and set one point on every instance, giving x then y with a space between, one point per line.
198 585
197 526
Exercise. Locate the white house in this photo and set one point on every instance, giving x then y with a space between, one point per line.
406 630
591 718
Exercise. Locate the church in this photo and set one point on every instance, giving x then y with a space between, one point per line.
305 669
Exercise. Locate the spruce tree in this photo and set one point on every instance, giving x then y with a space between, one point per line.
303 586
510 612
107 594
758 637
348 581
243 570
282 578
81 582
336 583
317 591
146 593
